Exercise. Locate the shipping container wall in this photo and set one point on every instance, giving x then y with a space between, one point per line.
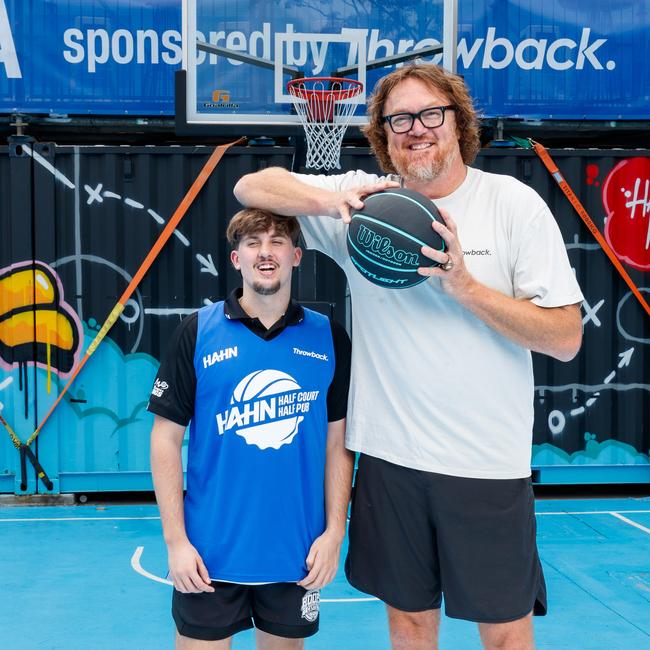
78 221
593 413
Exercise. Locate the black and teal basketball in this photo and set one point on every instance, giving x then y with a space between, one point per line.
386 235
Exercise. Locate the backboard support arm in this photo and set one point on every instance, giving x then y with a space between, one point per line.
389 60
238 55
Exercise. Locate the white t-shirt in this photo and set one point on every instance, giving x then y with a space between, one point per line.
433 387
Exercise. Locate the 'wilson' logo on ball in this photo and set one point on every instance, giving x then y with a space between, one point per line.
385 238
383 247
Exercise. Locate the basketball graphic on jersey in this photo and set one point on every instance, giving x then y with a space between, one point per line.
265 409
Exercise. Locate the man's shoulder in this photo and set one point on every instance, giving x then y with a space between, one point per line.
340 182
311 316
320 320
503 182
210 310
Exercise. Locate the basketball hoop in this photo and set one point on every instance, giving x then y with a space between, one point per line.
325 106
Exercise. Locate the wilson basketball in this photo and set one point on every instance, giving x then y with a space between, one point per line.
385 237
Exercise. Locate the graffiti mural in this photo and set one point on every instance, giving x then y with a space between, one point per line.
36 324
626 198
102 424
601 418
107 207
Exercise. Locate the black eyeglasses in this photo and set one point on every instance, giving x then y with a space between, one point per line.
431 118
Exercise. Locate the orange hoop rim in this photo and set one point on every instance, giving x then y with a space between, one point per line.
295 89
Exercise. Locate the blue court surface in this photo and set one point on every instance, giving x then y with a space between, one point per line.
80 577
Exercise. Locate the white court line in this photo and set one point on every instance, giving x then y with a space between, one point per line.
137 567
135 559
595 512
629 521
17 520
349 600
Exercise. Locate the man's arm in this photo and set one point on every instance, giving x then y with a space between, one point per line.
186 568
323 558
279 191
556 331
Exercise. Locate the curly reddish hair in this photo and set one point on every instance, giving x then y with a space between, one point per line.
436 78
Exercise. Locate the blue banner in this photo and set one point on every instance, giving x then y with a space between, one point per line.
557 59
85 57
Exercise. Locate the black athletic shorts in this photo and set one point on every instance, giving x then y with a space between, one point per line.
416 536
283 608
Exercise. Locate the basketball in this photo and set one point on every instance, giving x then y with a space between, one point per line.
386 235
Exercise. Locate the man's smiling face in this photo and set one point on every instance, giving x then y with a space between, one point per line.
421 154
266 261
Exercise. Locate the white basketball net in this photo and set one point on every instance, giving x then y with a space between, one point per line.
325 107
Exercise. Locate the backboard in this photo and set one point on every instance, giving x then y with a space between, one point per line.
238 55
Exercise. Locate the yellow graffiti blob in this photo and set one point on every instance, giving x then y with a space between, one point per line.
36 325
24 288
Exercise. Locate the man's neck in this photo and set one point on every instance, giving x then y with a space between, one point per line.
267 309
442 186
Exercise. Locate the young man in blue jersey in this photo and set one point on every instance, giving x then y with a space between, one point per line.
264 383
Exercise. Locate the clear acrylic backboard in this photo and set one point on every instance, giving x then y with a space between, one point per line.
239 55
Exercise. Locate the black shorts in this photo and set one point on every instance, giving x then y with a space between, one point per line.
283 608
416 536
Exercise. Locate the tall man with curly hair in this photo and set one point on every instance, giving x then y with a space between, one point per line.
441 406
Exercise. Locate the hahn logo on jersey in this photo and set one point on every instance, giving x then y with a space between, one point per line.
266 409
218 356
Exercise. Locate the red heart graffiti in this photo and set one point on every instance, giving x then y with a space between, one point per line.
626 198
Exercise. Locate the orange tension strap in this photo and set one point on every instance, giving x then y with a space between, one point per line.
541 151
167 232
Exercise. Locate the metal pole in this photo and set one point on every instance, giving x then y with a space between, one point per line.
450 35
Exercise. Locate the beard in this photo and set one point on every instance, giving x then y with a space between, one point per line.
266 289
428 168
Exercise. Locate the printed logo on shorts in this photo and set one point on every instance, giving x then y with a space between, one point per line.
310 605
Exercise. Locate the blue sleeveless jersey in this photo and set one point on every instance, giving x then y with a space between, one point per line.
256 457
